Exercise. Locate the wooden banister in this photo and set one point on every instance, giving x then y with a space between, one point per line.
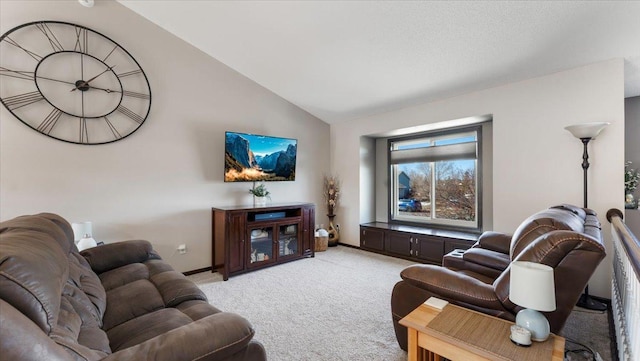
625 287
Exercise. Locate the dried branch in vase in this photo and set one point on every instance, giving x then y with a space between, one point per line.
331 193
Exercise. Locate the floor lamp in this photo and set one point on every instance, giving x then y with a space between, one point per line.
586 132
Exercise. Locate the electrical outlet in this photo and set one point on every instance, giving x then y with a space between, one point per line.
182 249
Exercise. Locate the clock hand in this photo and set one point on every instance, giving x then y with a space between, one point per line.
103 89
86 83
28 75
59 81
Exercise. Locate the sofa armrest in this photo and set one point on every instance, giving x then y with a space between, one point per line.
113 255
484 258
452 285
215 337
21 339
495 241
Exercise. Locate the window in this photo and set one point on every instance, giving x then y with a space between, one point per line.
434 178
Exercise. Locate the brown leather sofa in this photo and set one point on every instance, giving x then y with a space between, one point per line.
564 237
118 301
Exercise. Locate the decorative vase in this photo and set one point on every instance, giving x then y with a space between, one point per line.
630 202
259 201
334 232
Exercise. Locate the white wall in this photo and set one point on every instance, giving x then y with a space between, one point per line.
536 163
160 183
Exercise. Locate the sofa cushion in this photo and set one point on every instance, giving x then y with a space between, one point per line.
33 269
175 288
130 301
81 276
197 309
77 331
145 327
124 275
44 277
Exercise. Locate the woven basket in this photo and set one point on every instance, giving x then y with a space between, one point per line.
321 244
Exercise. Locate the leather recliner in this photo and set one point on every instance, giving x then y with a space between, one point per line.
114 302
564 237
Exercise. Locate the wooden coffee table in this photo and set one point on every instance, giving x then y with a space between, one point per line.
460 334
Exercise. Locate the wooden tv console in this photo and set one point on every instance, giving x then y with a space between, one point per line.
247 238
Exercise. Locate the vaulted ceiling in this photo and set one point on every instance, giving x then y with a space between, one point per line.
341 60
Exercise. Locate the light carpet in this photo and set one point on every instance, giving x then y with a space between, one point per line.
333 307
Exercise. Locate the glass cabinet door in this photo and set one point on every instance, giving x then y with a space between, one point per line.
288 239
261 246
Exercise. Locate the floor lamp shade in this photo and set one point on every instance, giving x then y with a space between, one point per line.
531 286
587 130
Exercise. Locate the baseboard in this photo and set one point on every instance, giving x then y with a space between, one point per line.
189 273
348 245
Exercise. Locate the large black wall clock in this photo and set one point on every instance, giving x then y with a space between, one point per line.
72 83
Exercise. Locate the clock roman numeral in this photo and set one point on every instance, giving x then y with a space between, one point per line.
82 40
112 128
83 134
108 55
35 56
26 75
21 100
135 95
128 112
55 44
137 71
50 121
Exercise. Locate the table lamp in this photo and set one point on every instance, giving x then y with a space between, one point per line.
82 232
531 286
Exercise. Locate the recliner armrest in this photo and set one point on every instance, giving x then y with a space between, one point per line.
215 337
495 241
452 285
487 259
113 255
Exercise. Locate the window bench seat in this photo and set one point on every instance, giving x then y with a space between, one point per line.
420 244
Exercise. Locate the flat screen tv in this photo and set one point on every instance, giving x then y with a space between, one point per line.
251 158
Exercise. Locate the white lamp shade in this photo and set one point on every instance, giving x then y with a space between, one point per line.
81 229
531 286
587 130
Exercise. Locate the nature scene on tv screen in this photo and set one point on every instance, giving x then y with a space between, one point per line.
250 158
